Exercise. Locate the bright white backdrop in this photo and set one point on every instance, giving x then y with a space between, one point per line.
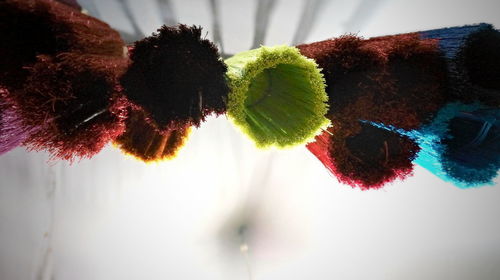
115 218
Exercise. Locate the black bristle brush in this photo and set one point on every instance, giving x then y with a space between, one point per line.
175 80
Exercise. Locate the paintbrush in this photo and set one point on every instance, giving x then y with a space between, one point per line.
277 96
60 69
400 81
175 80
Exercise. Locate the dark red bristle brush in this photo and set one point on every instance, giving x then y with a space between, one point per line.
61 71
401 82
396 80
368 159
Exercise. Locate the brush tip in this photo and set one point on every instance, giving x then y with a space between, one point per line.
30 28
147 143
177 77
368 159
277 96
72 104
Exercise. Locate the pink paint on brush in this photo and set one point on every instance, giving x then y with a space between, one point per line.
12 131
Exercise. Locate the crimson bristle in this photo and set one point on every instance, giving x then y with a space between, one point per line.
61 69
74 101
396 80
368 159
43 27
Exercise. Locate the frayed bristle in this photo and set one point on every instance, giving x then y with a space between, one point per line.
72 102
146 143
460 145
471 151
277 96
12 131
61 70
368 159
177 77
43 27
397 80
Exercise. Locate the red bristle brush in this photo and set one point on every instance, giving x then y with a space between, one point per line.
72 3
176 79
34 27
368 159
74 102
396 80
61 68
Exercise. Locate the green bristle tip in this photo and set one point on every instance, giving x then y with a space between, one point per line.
277 97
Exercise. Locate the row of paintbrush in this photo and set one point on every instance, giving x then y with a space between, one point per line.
368 108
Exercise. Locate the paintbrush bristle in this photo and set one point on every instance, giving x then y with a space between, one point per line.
472 150
146 143
277 96
461 145
12 131
42 27
74 103
368 159
177 77
61 70
397 80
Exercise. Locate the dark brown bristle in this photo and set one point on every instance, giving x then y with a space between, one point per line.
397 80
374 157
74 101
12 130
345 65
43 27
143 141
368 159
61 69
177 77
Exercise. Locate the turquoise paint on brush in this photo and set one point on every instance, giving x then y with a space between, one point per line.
433 155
